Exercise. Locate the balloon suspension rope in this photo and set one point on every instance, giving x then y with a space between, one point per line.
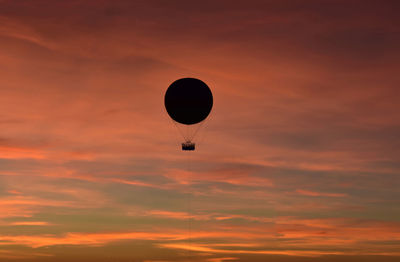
189 205
179 130
190 135
197 129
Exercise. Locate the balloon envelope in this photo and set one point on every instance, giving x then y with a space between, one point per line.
188 101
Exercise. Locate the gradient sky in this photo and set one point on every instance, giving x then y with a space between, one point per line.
299 160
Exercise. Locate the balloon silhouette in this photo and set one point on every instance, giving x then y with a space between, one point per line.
188 101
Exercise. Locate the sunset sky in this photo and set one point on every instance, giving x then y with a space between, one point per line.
298 161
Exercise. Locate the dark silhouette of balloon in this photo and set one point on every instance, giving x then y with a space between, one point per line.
188 101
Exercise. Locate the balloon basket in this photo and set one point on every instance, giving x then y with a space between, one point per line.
188 146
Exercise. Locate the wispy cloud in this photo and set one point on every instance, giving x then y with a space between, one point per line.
30 223
316 194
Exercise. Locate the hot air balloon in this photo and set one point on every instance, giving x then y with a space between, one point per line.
188 102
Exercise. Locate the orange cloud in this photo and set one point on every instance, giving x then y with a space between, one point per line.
21 153
94 239
169 214
303 233
221 259
27 206
205 248
14 192
313 193
133 183
29 223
